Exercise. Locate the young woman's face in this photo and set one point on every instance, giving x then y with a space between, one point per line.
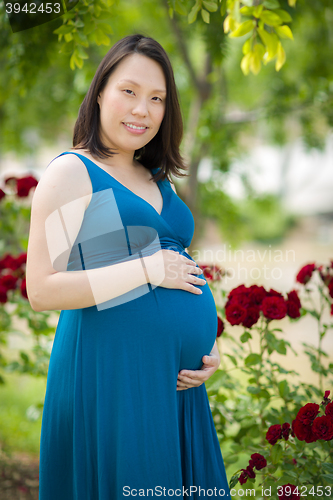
132 104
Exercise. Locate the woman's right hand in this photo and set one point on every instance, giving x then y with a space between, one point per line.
170 269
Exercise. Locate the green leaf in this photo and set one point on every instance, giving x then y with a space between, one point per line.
276 453
280 347
328 478
233 481
245 63
72 62
180 8
223 7
205 16
270 40
327 467
284 32
101 38
283 388
79 23
233 359
81 52
211 6
246 335
258 10
253 390
252 359
284 15
193 13
246 11
271 4
281 57
68 37
243 29
105 27
64 29
270 18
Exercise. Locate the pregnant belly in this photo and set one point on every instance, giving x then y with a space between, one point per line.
189 321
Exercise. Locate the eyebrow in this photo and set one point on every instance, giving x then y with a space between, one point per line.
163 91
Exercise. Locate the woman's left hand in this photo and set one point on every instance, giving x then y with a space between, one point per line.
194 378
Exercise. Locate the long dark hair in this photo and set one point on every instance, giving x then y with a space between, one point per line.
163 150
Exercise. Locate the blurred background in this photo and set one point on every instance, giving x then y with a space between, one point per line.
259 149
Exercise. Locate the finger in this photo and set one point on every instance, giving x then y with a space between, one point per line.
191 381
195 280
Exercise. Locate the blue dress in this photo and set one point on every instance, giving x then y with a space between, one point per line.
114 425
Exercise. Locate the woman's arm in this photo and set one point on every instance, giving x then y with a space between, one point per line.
66 183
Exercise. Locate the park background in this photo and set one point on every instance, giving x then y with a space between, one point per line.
260 153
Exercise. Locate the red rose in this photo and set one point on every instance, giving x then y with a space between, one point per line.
2 194
23 288
330 289
8 281
293 297
274 293
241 299
293 305
327 393
332 309
274 307
307 413
21 259
258 461
220 326
252 316
3 294
24 185
8 262
274 433
243 477
235 313
250 472
257 294
286 430
329 410
236 291
322 428
303 432
288 492
294 461
304 274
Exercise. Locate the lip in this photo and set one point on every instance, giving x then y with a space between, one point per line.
136 131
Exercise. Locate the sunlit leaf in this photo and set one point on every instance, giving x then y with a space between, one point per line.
270 18
281 57
284 15
243 29
205 16
211 6
284 32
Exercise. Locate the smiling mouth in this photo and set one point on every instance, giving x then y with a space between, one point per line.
134 127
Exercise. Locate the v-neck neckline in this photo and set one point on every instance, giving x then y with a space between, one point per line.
127 189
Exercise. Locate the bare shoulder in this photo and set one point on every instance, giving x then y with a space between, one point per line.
65 179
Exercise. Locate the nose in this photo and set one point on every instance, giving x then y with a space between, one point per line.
140 108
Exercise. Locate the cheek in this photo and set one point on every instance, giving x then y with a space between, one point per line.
114 107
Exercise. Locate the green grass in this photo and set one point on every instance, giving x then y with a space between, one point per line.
18 433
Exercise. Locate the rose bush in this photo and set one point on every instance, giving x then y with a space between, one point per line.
276 415
14 225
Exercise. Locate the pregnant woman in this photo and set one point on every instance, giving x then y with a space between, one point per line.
126 411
